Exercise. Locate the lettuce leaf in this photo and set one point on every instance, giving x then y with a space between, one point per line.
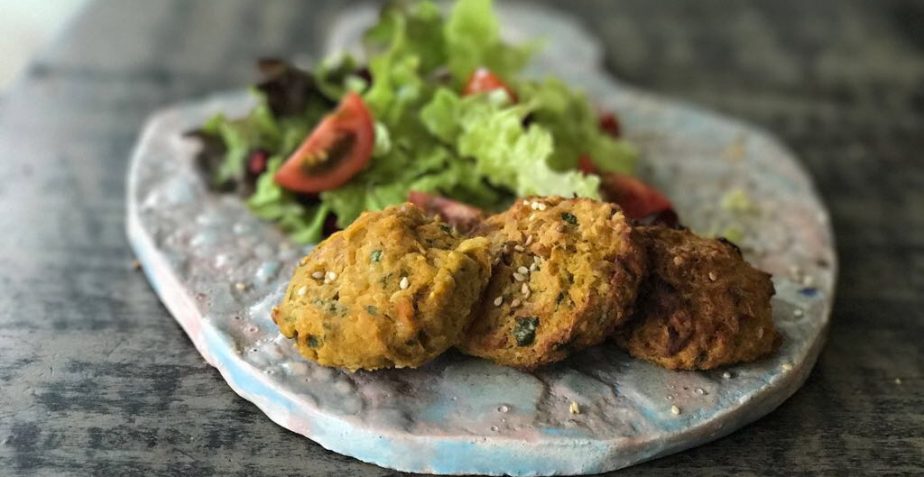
568 115
472 35
338 74
510 155
441 115
289 91
421 22
258 130
501 149
386 182
270 202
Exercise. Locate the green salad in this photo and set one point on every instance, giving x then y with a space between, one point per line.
438 105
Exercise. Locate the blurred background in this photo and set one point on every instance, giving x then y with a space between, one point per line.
25 27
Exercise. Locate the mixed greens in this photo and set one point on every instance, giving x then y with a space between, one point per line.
433 132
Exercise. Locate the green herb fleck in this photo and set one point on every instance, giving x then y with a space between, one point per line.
376 256
525 330
372 310
313 342
446 228
569 217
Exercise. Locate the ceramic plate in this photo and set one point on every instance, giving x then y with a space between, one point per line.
219 270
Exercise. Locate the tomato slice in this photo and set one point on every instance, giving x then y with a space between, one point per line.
637 199
338 148
458 214
483 81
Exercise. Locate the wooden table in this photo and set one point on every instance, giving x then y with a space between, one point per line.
97 379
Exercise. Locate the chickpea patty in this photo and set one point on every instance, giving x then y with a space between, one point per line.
703 306
395 289
565 276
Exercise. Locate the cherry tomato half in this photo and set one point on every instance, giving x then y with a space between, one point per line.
483 80
610 124
338 148
637 199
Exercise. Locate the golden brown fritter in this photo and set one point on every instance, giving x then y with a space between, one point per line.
566 273
703 306
395 289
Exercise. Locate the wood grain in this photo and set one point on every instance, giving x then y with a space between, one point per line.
97 379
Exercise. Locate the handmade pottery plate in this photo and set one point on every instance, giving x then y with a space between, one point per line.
219 270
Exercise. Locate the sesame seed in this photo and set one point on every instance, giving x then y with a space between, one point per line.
537 259
303 261
574 408
898 381
519 248
498 301
675 410
678 260
240 286
760 333
726 375
700 391
540 206
525 289
808 280
532 218
404 283
331 276
534 267
797 312
518 277
523 271
526 202
529 240
787 366
302 291
317 275
515 303
713 276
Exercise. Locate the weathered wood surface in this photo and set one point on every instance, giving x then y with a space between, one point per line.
97 379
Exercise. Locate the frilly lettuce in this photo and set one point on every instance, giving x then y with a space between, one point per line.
472 36
493 139
571 119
